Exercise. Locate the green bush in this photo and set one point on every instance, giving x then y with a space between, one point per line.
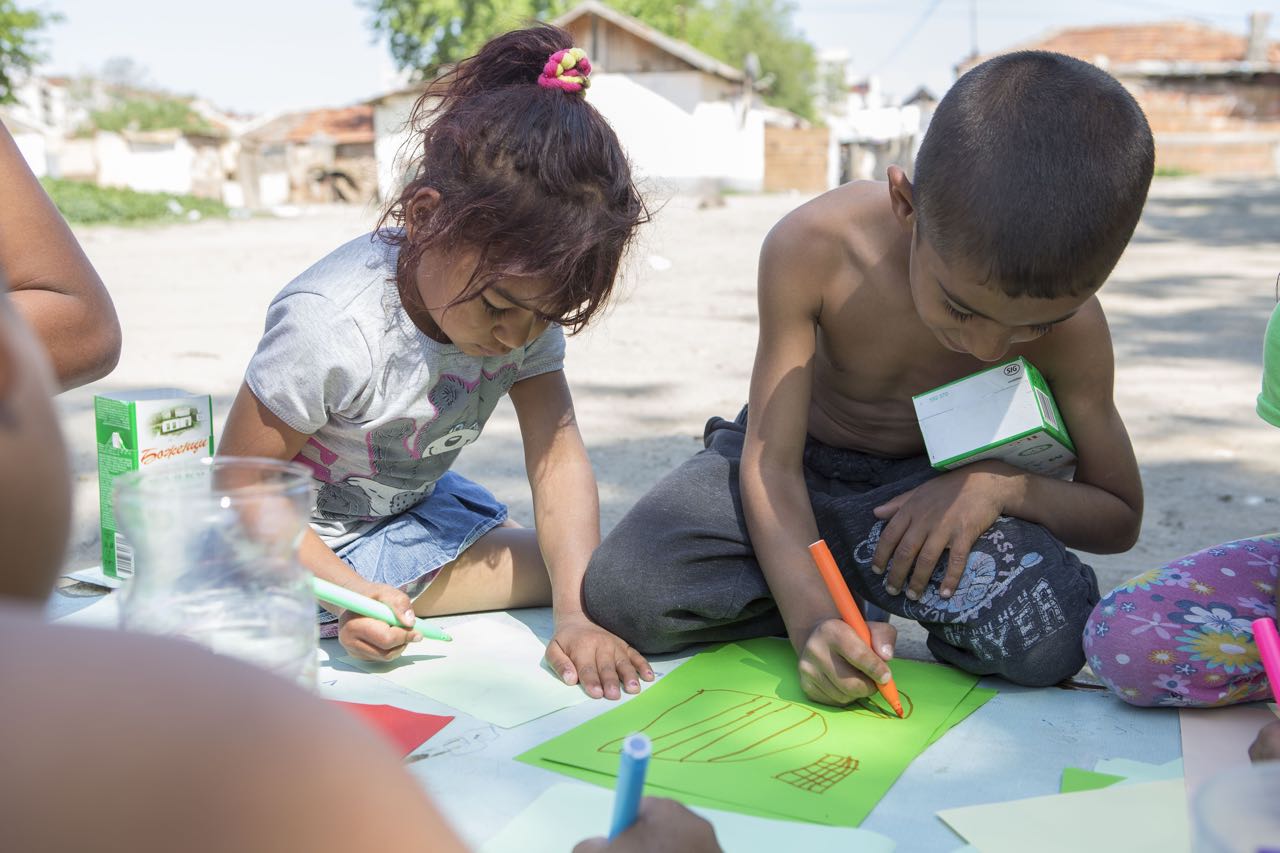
150 113
89 204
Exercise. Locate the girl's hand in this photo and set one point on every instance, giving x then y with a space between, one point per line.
837 668
948 512
584 653
373 639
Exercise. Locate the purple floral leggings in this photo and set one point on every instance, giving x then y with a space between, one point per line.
1181 635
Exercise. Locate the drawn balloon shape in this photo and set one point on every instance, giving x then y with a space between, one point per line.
719 726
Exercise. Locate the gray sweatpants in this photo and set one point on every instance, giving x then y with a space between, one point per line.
679 567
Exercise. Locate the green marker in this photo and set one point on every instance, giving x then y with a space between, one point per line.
365 606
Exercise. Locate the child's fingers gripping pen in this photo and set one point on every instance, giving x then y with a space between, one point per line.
849 612
631 771
366 606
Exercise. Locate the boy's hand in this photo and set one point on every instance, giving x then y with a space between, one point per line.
372 639
837 668
661 825
584 653
1266 747
948 512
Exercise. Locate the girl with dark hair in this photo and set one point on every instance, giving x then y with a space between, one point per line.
384 359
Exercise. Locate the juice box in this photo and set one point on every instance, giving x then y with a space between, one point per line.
1005 412
141 429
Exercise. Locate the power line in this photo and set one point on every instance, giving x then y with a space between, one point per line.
908 36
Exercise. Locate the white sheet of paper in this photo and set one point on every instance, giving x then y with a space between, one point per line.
102 612
492 671
1215 739
94 575
567 813
1135 772
1151 817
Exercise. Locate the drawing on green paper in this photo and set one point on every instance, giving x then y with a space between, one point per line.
732 728
817 777
869 708
733 725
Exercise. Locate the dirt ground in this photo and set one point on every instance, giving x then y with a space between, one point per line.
1188 305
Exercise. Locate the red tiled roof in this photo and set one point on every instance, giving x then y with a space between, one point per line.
346 125
1170 41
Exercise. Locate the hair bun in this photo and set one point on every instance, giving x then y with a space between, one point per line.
567 69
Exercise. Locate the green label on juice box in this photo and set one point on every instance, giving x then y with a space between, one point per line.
137 430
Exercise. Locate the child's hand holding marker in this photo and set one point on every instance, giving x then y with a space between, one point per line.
371 639
864 653
1266 747
660 824
837 668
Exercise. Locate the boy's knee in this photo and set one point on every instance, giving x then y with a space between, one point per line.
614 594
1032 636
1049 662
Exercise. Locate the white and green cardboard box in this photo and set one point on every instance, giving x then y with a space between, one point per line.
1005 412
143 429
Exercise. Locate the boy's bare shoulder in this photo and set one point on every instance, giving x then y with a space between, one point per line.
837 231
1077 350
152 739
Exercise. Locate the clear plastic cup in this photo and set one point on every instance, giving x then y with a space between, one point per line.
216 559
1238 810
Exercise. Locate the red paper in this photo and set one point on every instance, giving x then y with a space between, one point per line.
407 730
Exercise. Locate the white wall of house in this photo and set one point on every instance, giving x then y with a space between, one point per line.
145 166
273 189
34 149
671 146
77 159
676 127
391 141
685 89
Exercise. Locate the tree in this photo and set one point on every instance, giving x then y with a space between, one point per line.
19 43
729 30
125 72
428 34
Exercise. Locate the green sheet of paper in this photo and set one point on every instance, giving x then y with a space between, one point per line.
567 813
1075 779
1149 816
732 729
974 700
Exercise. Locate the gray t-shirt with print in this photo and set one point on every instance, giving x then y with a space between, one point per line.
387 408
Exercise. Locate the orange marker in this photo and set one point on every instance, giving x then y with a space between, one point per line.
849 611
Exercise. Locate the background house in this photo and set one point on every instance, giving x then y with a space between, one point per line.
164 161
1212 97
310 157
869 130
57 123
687 121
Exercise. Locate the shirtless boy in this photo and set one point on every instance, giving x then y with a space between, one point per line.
1026 191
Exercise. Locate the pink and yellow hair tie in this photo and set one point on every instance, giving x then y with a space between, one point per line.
566 69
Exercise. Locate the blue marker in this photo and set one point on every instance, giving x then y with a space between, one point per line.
626 800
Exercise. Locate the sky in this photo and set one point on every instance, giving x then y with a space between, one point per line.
256 56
